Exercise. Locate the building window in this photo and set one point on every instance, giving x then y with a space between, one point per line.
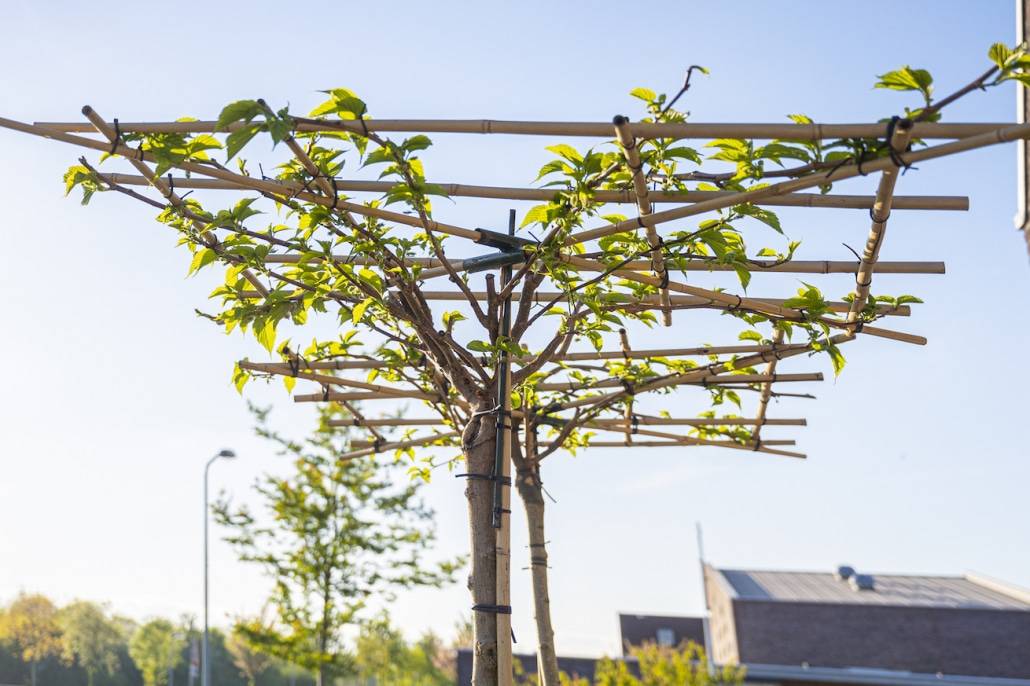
666 637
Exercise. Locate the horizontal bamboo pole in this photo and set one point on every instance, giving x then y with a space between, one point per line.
860 202
679 444
334 396
757 267
708 380
814 131
541 297
397 445
641 421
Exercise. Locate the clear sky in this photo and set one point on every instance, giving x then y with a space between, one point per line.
115 393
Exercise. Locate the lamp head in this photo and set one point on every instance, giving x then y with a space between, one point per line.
226 453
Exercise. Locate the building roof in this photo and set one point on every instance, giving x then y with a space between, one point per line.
958 592
637 630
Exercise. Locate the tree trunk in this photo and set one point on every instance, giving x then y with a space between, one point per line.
320 678
479 460
32 672
530 488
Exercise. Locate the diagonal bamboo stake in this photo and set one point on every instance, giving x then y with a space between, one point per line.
244 181
733 302
398 445
879 214
170 195
326 379
628 410
763 401
1001 135
636 166
860 202
679 131
680 444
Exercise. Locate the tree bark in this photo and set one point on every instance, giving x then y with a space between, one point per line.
479 459
530 488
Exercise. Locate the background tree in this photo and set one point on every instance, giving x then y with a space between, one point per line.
382 656
333 535
89 639
156 648
250 662
665 666
30 624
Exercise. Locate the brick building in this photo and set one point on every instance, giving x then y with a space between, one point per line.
821 628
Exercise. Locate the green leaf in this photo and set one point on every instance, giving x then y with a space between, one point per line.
535 214
359 310
999 53
480 347
244 110
240 377
750 335
907 79
239 138
265 334
566 151
201 259
645 94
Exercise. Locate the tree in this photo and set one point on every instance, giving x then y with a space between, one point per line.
89 639
666 666
156 648
382 656
30 623
250 662
367 266
336 534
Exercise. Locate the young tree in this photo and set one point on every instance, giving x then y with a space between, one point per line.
156 648
369 265
333 535
30 623
89 639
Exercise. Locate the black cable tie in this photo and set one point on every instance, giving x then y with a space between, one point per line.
492 609
628 386
635 421
859 326
758 444
171 185
377 443
336 192
294 365
503 480
117 137
325 393
502 510
538 561
640 222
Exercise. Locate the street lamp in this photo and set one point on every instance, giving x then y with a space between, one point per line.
205 664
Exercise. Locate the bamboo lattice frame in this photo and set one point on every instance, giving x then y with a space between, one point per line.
666 293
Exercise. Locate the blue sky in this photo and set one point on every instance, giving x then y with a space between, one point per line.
116 393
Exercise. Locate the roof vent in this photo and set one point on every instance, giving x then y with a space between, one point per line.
845 572
862 582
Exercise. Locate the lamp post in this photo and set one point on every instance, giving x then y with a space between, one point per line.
205 664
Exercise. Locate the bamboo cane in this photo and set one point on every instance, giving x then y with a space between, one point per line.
637 419
759 266
679 444
763 401
544 297
328 379
1001 135
398 445
628 410
173 198
707 380
334 396
636 166
861 202
679 131
879 214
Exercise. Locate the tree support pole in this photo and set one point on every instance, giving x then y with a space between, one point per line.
502 487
